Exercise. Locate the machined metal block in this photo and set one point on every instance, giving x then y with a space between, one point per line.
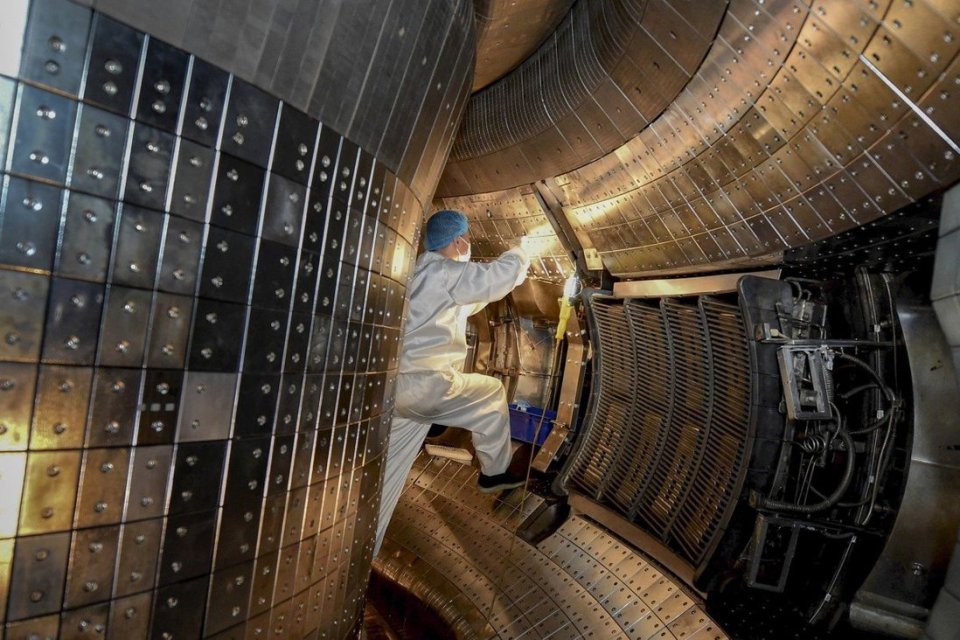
197 474
98 159
159 406
39 569
136 253
17 384
147 497
302 458
87 622
206 406
87 238
192 180
229 597
114 402
178 609
125 319
130 616
217 336
55 44
30 221
187 546
273 281
49 491
250 123
24 298
271 529
90 570
264 580
162 85
296 137
73 321
103 484
308 270
256 404
237 195
149 167
203 107
265 341
138 557
44 133
227 265
111 74
298 343
239 524
62 400
181 256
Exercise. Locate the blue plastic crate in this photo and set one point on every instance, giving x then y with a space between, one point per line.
524 423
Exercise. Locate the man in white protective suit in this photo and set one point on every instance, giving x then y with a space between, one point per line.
445 289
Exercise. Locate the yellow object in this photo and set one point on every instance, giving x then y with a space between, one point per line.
565 309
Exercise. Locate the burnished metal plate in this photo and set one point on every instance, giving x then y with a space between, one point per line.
265 341
196 477
21 315
281 463
271 530
293 523
328 148
87 622
203 107
169 331
30 222
181 256
298 343
187 546
114 402
149 165
17 384
264 579
227 265
319 340
139 549
327 285
87 238
61 407
137 247
42 628
49 491
311 518
256 404
337 222
112 66
250 123
310 402
55 43
346 168
206 406
93 553
39 569
284 210
159 406
98 159
103 484
247 473
73 322
125 319
217 336
303 458
286 573
296 136
147 497
229 597
44 132
161 87
178 609
236 196
239 524
314 220
273 282
306 285
130 617
192 180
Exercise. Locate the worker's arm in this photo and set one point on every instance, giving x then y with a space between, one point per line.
478 283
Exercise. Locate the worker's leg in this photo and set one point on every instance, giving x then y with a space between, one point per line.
406 438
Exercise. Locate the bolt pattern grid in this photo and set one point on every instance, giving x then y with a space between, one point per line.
203 292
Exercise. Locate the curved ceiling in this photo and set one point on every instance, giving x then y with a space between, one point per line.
802 119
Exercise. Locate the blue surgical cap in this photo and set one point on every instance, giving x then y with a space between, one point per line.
443 227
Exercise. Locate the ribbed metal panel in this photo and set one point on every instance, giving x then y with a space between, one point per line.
669 421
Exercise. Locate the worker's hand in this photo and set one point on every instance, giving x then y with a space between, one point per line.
525 243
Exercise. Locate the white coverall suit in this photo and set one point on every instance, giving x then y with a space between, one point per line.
431 387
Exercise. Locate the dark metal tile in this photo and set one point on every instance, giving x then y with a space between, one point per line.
93 553
43 628
227 265
274 508
293 522
273 284
310 403
296 136
49 491
239 525
336 231
306 287
327 281
137 250
187 546
192 180
181 256
61 407
103 486
30 220
114 402
217 336
169 331
204 105
281 462
229 597
24 297
303 458
148 171
55 43
286 572
161 88
237 195
284 212
345 172
311 518
265 341
178 609
314 221
256 404
196 477
73 321
87 238
250 123
98 159
205 406
112 69
39 569
159 406
264 580
147 497
125 319
246 473
130 617
291 388
298 343
137 563
17 384
88 622
44 134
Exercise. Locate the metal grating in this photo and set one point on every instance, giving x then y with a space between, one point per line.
668 426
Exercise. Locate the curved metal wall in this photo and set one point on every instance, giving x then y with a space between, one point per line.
203 289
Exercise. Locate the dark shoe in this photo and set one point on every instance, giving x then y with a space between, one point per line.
499 482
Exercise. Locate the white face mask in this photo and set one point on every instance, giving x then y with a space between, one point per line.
464 257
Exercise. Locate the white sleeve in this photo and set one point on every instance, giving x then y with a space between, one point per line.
483 282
